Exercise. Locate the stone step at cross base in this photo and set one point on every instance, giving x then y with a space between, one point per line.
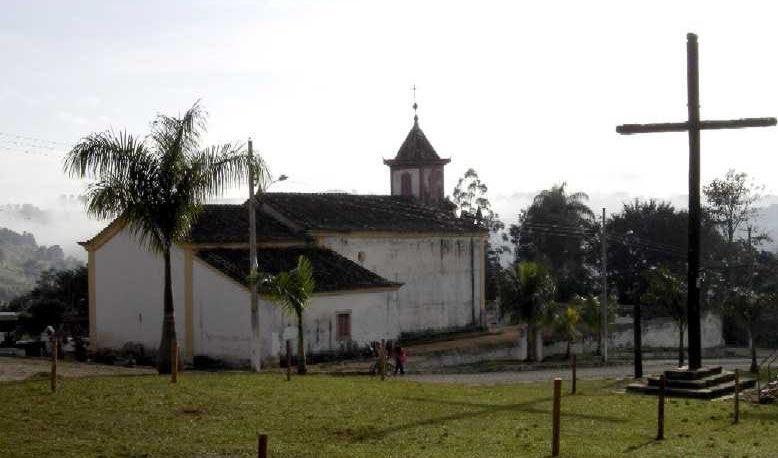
703 383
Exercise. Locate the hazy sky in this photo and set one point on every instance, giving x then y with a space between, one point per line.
528 93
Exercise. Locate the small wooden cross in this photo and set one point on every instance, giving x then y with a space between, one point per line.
693 126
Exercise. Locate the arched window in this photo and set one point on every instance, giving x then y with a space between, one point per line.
405 185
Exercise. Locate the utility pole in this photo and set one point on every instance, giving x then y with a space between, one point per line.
604 300
253 267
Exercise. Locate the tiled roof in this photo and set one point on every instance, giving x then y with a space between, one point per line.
416 149
230 224
372 213
331 272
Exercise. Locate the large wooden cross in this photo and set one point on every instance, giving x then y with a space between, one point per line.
693 127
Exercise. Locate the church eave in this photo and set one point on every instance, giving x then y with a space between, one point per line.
415 162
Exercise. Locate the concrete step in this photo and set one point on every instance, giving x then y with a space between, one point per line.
710 392
710 380
682 373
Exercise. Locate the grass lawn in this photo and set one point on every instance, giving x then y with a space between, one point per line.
219 414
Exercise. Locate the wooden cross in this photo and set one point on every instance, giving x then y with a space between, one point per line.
693 126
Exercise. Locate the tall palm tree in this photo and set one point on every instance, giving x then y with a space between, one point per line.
527 291
157 185
553 231
292 290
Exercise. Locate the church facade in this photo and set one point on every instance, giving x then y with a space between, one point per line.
383 265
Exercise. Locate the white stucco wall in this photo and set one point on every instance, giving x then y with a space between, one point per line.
437 273
129 283
374 316
129 291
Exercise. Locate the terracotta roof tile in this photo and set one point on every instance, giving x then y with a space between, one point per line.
372 213
331 271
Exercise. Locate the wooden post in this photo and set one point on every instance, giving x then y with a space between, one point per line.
573 364
736 416
174 362
382 359
54 352
288 360
262 447
660 409
555 417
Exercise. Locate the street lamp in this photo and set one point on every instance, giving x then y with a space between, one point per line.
253 265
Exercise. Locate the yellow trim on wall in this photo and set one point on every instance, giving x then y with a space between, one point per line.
92 301
105 235
483 283
188 307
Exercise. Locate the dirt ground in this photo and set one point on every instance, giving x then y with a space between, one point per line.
14 369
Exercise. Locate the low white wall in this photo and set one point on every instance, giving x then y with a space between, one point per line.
657 333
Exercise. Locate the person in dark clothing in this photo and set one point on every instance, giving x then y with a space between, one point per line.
400 356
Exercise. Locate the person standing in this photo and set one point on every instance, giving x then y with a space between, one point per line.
400 356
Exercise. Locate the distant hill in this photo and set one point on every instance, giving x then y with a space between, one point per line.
22 260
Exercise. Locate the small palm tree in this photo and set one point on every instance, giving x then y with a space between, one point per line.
566 323
292 290
157 185
526 291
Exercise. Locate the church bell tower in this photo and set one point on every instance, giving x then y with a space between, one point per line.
417 170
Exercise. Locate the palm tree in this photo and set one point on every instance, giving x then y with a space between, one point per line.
157 185
553 231
566 323
526 292
292 290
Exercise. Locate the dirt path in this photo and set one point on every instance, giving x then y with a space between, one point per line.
622 371
22 368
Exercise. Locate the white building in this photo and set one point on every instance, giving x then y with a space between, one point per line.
383 265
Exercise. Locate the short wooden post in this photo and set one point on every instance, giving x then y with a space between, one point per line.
382 359
736 416
262 447
174 361
660 409
555 417
288 360
54 352
573 364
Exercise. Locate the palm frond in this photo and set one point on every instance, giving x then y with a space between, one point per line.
217 168
105 154
175 137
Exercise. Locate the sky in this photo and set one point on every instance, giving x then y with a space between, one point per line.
527 93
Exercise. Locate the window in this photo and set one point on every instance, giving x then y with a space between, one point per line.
405 185
343 326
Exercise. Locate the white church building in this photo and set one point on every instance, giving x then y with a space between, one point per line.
383 265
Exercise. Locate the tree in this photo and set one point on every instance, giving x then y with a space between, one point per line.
566 323
554 231
157 186
59 299
526 292
731 202
590 318
292 290
667 291
470 197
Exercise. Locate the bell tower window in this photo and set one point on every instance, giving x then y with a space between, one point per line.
405 185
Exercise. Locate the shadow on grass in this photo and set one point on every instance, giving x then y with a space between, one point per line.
480 410
635 448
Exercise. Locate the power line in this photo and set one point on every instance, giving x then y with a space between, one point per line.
35 139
